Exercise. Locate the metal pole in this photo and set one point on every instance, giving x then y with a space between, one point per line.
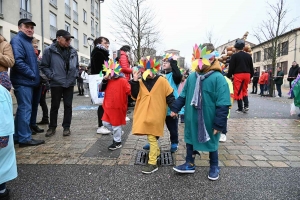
42 24
99 18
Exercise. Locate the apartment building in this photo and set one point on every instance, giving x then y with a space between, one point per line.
288 50
80 17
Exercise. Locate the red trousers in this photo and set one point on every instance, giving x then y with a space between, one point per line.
240 85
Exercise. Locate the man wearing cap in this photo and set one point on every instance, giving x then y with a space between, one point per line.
60 65
25 79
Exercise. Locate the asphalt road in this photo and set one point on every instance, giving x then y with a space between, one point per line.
127 182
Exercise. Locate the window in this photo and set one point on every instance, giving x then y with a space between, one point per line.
12 34
97 29
53 28
75 11
92 6
67 8
256 56
96 10
84 16
53 2
1 14
92 27
25 5
278 50
267 53
75 40
46 45
284 67
67 27
285 48
84 40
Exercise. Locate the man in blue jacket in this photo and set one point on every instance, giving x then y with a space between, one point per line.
25 79
60 65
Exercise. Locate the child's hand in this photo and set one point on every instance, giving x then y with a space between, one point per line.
136 75
216 131
174 115
174 57
4 141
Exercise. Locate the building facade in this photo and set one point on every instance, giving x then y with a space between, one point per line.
288 50
180 60
222 47
79 17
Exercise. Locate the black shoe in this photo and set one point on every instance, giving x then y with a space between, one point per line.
131 104
5 195
32 131
115 145
36 129
31 142
43 121
50 132
290 98
79 94
252 93
66 132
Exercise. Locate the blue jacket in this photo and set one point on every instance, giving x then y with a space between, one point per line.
53 66
25 71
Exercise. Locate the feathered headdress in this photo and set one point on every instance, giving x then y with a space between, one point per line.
148 66
201 57
167 56
112 68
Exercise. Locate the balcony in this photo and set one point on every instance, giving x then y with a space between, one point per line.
92 31
75 43
53 30
97 14
75 16
53 3
67 10
25 14
92 9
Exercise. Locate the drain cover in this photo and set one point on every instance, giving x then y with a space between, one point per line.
165 158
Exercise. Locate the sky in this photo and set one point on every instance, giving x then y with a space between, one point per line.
184 23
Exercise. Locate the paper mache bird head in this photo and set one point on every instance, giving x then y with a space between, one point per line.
148 66
201 56
111 67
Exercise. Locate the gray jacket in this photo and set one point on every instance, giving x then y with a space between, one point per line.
53 66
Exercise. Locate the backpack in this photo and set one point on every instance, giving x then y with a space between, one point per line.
118 55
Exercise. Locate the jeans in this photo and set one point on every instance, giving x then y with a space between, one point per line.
262 89
254 87
35 104
191 153
116 130
213 158
56 95
43 104
100 113
292 93
278 88
22 119
80 87
172 125
240 103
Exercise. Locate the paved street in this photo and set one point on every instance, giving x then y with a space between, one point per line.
260 160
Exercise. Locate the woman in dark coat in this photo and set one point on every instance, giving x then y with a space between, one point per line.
100 54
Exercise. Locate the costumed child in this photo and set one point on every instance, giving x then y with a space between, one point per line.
153 94
223 136
173 75
207 99
116 89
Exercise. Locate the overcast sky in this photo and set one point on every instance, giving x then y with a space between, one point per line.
186 22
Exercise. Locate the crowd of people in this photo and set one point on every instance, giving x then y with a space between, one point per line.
201 99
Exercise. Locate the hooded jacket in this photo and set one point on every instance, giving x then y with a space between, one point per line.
54 66
25 71
6 55
98 57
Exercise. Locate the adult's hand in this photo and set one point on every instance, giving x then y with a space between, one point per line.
136 75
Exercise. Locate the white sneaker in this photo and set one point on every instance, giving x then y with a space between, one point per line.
223 138
86 95
127 119
103 130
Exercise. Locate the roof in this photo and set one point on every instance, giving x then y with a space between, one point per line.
172 50
289 32
251 44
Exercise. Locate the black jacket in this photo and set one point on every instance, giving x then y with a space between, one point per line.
255 77
240 62
293 73
97 60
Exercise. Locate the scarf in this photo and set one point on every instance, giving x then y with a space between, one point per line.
4 80
100 46
197 103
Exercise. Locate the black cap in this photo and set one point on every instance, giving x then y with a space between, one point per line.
64 34
25 21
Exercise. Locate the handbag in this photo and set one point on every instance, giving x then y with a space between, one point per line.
95 81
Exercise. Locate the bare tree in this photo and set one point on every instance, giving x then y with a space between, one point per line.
210 37
272 38
133 24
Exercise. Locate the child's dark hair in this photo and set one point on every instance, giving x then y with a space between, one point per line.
125 48
99 40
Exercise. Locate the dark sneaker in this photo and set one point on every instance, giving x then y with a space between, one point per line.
5 195
31 142
36 129
50 132
115 145
149 169
43 122
186 168
174 147
66 132
146 147
214 173
246 109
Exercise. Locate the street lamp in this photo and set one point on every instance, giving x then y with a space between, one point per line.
90 42
100 1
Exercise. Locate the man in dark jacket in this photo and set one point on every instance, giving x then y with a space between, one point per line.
255 81
25 78
60 65
279 80
293 73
